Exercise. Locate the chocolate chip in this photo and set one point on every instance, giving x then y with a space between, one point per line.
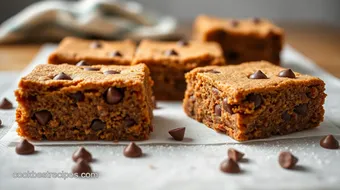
285 116
132 151
256 20
258 75
5 104
43 117
210 71
82 167
301 109
111 72
313 92
82 63
215 91
217 109
113 95
91 69
97 125
227 107
256 99
182 43
287 73
287 160
235 155
128 122
95 45
62 76
24 147
115 54
234 23
329 142
178 133
78 96
82 153
232 56
170 52
229 166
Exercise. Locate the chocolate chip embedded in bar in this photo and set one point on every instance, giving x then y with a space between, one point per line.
169 61
75 104
243 40
253 100
83 52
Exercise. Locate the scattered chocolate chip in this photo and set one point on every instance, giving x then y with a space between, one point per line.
217 109
215 91
24 147
95 45
329 142
43 117
111 72
235 155
229 166
227 107
78 96
82 153
258 75
287 73
32 97
81 167
91 69
5 104
285 116
182 43
82 63
97 125
232 56
113 95
178 133
301 109
234 23
287 160
256 20
62 76
115 54
128 122
132 151
255 98
170 52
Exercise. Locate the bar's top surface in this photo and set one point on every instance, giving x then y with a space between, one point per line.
234 78
180 52
47 74
259 26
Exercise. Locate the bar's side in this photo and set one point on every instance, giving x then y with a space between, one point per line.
85 111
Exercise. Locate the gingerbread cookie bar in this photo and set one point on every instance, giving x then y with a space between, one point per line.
93 52
169 61
244 40
67 102
254 100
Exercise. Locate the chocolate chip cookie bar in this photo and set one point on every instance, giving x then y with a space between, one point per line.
254 100
169 61
67 102
89 52
243 40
